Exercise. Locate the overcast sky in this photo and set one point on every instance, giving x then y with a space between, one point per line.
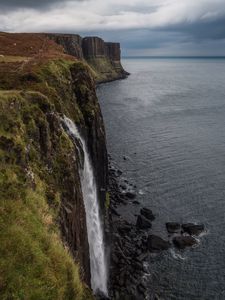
143 27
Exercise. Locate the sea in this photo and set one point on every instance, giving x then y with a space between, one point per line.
168 119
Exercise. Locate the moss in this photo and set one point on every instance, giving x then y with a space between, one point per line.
107 200
34 160
102 69
34 263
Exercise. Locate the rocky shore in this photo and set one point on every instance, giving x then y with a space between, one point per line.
128 242
132 243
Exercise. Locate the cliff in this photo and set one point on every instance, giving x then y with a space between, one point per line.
43 236
103 58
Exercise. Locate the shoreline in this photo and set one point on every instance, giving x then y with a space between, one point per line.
128 244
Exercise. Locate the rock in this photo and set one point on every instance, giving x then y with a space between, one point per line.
114 211
147 213
182 242
173 227
143 223
123 186
156 243
193 229
130 195
72 43
124 229
119 172
142 257
136 202
141 288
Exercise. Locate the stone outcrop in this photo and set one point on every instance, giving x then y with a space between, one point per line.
104 58
72 43
93 47
113 51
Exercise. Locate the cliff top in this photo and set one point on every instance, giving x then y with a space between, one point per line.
29 45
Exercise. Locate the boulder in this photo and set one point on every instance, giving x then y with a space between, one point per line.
193 229
182 242
156 243
147 213
130 195
173 227
143 223
136 202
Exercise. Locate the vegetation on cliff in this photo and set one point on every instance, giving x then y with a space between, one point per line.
43 243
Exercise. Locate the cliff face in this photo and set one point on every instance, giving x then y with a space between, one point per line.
94 131
72 43
43 224
93 47
103 58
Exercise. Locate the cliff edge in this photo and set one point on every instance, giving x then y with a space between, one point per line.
103 58
43 234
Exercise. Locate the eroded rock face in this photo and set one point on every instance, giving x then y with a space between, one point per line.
72 43
102 57
113 51
94 130
93 47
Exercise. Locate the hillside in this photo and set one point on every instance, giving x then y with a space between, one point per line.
43 236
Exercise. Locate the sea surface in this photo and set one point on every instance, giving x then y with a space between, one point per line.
168 118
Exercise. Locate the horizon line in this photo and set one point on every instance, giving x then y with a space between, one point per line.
173 56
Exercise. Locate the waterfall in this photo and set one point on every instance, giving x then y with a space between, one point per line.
94 228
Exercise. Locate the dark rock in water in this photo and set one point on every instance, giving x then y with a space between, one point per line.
182 242
147 213
123 186
136 202
143 223
193 229
173 227
130 195
119 172
156 243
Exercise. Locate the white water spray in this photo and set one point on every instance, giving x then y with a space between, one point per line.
94 228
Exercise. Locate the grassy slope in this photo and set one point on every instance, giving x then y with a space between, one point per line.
102 69
34 262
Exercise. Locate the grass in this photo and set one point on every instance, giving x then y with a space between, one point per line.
102 69
35 263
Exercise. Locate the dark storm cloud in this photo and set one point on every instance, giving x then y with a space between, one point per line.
212 30
146 25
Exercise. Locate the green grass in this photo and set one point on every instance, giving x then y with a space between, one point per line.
107 200
102 69
34 262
